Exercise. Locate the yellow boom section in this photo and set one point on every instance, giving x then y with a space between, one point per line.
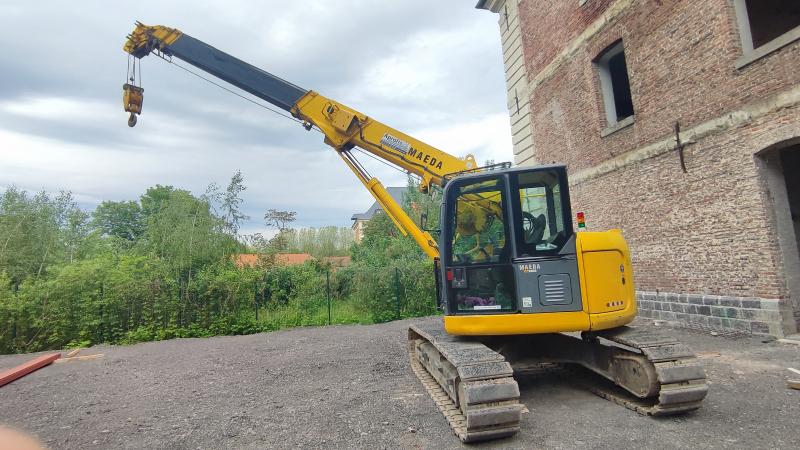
344 128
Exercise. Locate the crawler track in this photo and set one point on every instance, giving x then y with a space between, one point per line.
470 383
473 387
682 380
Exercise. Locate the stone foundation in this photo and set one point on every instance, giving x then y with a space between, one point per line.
757 315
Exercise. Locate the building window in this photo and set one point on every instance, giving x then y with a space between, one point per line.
615 84
763 21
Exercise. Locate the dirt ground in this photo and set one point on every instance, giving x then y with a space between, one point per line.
352 387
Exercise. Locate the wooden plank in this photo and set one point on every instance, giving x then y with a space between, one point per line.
79 358
794 384
789 341
12 374
74 352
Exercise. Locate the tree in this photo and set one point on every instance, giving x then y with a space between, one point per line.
416 203
230 205
280 220
120 219
229 202
37 231
153 199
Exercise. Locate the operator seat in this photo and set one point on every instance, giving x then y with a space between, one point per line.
536 234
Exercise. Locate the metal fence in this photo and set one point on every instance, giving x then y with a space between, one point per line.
34 318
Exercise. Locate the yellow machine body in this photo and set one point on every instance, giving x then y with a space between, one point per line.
508 262
603 263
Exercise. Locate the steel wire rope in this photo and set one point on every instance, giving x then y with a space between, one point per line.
417 177
288 117
236 93
364 152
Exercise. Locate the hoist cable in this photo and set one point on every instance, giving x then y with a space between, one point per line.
417 177
240 95
413 175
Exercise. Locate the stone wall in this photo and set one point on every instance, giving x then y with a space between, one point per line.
756 315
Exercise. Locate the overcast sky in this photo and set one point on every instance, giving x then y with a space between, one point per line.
432 69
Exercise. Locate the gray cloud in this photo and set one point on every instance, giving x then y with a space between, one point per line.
430 69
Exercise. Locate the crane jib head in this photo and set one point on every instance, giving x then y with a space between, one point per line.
145 39
140 43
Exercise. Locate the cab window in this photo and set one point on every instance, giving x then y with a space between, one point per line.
542 218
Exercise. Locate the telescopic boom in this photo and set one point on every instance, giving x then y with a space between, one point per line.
343 127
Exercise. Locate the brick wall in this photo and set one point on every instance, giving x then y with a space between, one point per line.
710 232
707 231
680 58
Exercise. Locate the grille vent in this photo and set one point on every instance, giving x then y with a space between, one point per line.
555 289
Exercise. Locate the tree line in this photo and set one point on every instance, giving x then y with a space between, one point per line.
164 266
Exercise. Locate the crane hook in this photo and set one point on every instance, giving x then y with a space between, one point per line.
132 99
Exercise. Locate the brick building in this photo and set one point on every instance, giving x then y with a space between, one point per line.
678 120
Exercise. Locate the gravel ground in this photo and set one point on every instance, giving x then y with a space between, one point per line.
352 387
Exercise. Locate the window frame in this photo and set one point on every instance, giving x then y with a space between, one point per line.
453 191
751 54
613 122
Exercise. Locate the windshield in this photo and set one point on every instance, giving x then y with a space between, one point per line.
478 230
478 248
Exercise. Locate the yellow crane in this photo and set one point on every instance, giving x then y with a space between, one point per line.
513 275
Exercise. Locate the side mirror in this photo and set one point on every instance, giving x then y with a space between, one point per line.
423 223
423 218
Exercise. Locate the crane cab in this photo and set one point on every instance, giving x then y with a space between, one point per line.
512 263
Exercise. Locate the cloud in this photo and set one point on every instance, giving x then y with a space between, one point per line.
430 69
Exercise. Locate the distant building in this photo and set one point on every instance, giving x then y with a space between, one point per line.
679 122
359 220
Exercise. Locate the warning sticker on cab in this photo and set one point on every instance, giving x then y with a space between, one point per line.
478 307
526 302
395 143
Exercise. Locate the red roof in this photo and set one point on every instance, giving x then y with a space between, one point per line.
291 259
337 261
288 259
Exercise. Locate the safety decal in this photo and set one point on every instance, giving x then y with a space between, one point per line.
614 304
480 307
395 143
